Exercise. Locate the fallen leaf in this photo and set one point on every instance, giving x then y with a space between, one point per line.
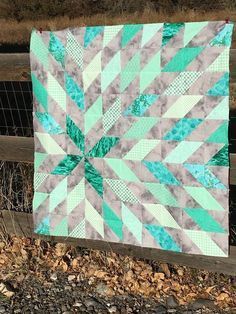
192 295
2 245
3 258
208 290
64 266
20 278
165 269
166 289
55 264
159 276
159 285
37 242
24 254
5 290
180 272
176 286
60 249
223 296
181 301
100 273
129 275
146 273
16 247
74 263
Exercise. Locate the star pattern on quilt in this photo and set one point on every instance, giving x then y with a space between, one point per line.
131 134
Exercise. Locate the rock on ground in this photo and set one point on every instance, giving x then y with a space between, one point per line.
63 296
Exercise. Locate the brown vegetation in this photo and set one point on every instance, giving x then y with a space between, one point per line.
38 9
16 186
17 17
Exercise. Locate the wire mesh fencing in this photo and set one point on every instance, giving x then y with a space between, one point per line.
16 108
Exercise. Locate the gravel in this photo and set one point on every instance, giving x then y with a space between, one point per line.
62 296
200 303
53 277
171 302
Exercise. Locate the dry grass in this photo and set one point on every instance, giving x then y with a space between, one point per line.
16 186
19 32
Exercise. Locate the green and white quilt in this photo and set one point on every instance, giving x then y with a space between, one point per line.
131 134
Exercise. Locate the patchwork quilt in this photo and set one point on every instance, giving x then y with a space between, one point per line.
131 134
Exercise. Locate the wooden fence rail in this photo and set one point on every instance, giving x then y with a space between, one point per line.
16 67
22 224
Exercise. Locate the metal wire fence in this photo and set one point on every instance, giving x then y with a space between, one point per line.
16 108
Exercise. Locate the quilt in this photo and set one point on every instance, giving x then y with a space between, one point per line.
131 134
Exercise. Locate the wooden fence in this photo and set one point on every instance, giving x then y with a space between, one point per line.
16 67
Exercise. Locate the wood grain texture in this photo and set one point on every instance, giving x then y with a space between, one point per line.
22 225
16 148
232 177
233 161
21 149
14 67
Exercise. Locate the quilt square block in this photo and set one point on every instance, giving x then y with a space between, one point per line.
131 134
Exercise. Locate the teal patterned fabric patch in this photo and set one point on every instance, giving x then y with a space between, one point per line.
131 134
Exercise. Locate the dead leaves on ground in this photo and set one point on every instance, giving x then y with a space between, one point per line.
113 273
61 249
6 290
165 269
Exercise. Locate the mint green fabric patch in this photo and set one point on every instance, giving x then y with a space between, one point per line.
75 92
40 92
103 146
163 238
161 172
140 105
75 133
57 49
66 165
204 220
91 33
183 58
221 158
182 129
93 177
48 123
170 30
221 87
113 221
